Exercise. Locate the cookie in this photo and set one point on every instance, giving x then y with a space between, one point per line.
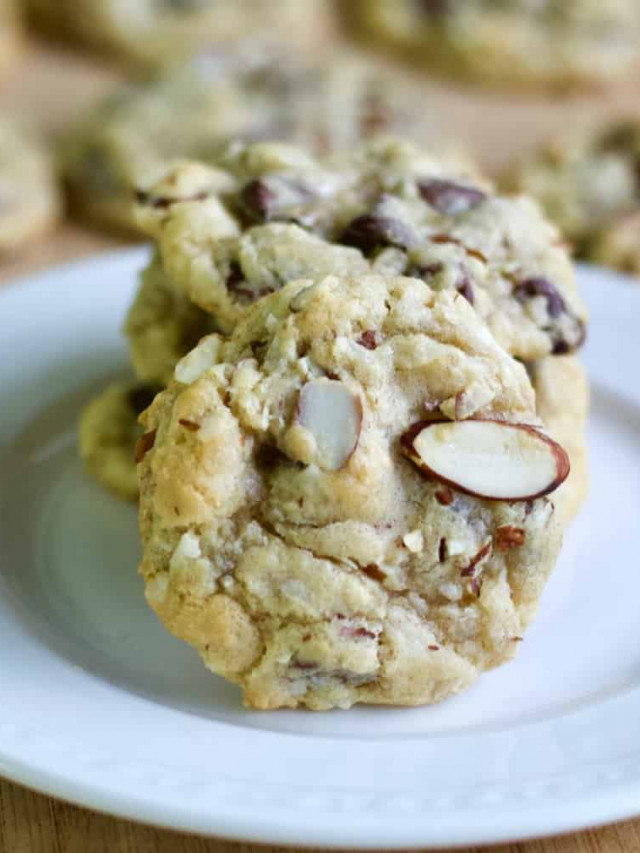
29 199
558 43
562 403
149 34
108 433
589 186
304 526
10 34
162 326
274 213
250 91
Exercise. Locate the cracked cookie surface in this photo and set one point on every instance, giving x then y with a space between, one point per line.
559 43
286 535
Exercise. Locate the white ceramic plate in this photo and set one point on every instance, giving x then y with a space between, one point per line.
100 706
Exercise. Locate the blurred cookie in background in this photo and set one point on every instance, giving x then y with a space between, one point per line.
29 198
10 34
557 43
156 33
590 187
108 433
250 91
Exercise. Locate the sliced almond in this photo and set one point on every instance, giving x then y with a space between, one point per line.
333 416
488 459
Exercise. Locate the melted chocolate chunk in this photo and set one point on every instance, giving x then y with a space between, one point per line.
448 197
538 286
370 232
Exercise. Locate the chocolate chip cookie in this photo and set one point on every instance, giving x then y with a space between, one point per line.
156 33
559 43
272 213
249 91
29 200
109 432
350 499
590 186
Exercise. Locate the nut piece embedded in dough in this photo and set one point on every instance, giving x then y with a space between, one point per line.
333 416
488 459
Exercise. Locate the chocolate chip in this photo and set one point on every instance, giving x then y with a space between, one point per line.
235 276
538 286
191 426
449 198
370 339
142 396
370 232
236 280
571 334
561 346
257 200
273 197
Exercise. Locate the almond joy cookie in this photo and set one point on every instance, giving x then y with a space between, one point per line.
558 43
590 187
272 213
351 498
229 236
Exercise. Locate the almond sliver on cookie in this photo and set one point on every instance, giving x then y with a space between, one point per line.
489 459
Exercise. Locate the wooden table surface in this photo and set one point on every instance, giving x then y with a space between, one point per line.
48 88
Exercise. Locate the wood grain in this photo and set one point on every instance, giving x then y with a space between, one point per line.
49 88
30 823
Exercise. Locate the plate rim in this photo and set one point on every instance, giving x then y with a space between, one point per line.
582 812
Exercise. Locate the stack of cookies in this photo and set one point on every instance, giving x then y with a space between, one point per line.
354 484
